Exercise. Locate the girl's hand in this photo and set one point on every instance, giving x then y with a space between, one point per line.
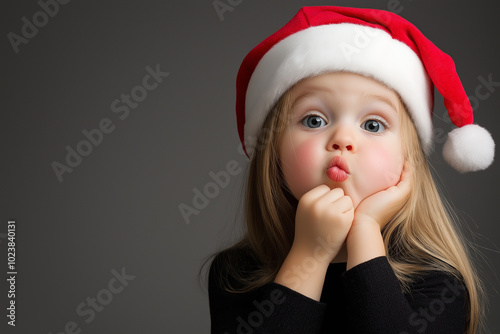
364 241
383 205
324 217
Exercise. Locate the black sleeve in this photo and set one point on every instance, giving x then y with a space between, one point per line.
375 303
272 308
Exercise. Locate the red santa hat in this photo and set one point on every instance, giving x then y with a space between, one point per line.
373 43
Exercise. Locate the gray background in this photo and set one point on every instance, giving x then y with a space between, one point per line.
119 207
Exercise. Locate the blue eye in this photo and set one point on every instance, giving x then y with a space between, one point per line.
373 126
313 121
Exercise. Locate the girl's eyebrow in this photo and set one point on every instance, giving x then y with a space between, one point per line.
365 97
382 99
308 94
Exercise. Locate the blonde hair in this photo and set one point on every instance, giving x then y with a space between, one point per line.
421 237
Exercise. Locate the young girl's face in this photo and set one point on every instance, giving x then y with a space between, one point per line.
346 120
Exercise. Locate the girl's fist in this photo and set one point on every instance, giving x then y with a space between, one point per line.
324 217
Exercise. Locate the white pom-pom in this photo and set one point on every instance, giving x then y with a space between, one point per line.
469 148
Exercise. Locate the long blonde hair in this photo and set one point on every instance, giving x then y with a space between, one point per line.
421 237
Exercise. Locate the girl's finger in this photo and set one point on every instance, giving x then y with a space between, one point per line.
343 204
317 192
404 185
332 196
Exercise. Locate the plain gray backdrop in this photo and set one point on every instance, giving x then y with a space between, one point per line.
118 209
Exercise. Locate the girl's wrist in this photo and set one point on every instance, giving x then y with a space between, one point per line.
318 256
364 242
364 221
303 273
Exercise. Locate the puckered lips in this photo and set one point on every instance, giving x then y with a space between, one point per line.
338 170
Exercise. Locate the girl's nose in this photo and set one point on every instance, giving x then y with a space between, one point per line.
342 139
342 147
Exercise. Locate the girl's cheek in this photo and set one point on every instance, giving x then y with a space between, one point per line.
300 165
383 167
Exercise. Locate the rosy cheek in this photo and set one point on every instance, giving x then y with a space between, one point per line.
383 167
302 159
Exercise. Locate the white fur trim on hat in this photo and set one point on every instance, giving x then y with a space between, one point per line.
340 47
469 148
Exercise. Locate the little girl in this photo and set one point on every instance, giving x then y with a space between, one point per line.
346 231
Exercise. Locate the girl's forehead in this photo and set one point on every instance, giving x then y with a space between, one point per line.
341 82
343 86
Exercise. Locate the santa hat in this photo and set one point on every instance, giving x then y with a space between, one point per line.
373 43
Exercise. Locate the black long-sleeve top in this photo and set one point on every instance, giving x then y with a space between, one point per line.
365 299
